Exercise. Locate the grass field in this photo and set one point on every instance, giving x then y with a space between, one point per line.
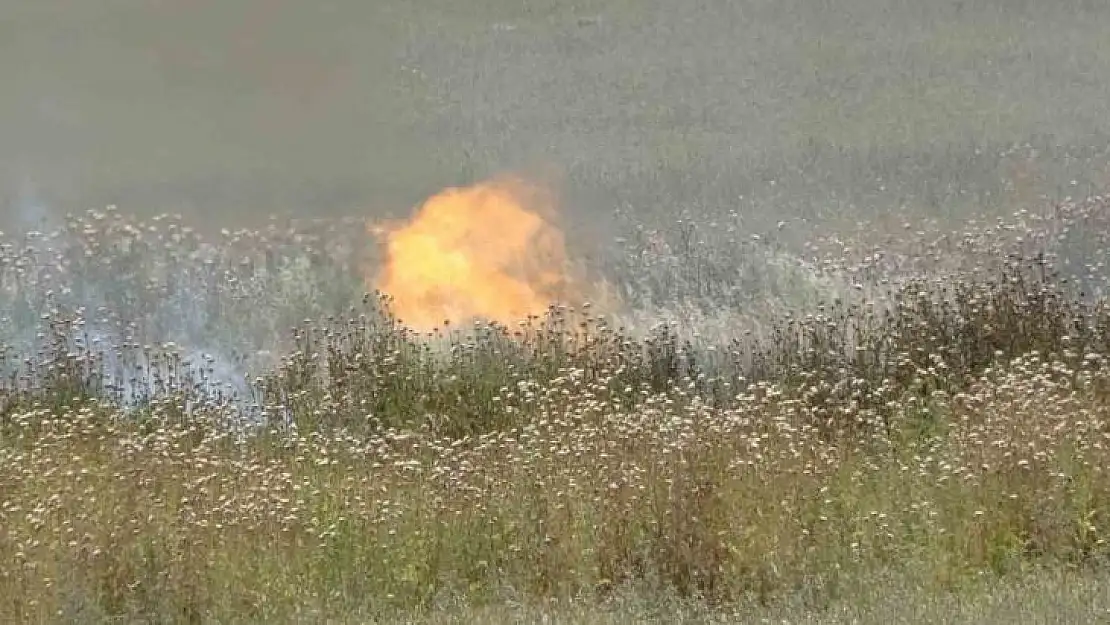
929 431
846 358
822 111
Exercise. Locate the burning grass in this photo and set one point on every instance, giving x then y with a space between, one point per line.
942 417
485 252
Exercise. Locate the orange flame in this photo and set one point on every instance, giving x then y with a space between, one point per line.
481 252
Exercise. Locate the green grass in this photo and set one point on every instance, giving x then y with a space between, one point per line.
1048 597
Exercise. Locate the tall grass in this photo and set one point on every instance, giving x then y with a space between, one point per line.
939 413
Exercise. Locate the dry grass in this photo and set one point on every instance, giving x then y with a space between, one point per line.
936 427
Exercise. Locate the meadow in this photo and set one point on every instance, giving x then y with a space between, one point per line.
934 424
841 351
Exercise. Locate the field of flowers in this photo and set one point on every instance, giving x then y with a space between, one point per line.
228 428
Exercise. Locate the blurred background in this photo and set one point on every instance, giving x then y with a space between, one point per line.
751 111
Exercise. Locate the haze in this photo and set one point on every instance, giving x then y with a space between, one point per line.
228 111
